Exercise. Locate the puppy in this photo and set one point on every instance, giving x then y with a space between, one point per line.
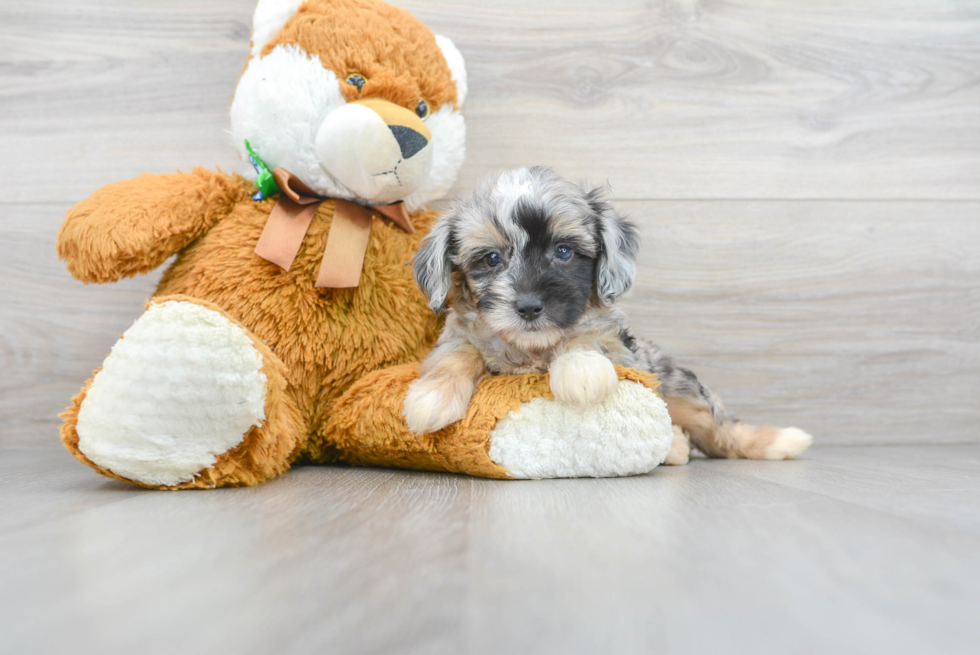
528 268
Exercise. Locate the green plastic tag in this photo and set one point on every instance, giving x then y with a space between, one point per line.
264 180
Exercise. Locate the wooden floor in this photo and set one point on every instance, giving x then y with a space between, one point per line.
806 177
849 550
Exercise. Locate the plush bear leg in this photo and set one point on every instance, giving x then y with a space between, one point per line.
188 398
514 428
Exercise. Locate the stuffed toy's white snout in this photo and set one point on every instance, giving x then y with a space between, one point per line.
375 148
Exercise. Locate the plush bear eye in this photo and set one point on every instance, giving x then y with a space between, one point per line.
422 109
356 79
493 259
563 253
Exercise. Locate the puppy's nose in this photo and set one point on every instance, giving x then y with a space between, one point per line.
408 140
529 307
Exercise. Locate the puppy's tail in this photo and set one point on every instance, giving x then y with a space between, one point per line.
730 438
700 418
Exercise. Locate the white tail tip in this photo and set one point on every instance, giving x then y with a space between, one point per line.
789 443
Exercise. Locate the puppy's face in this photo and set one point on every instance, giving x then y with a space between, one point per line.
530 251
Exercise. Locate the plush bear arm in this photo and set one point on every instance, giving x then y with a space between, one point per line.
131 227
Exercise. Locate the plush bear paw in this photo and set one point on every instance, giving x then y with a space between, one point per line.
182 386
582 378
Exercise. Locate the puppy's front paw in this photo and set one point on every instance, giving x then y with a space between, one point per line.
432 404
582 378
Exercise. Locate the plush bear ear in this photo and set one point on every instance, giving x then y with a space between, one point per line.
268 19
457 66
619 243
433 266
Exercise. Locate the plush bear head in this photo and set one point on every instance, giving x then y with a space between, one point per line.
356 98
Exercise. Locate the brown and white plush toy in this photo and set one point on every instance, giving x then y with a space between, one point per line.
289 326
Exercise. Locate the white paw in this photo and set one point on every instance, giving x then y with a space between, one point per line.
680 448
789 443
181 387
431 404
582 378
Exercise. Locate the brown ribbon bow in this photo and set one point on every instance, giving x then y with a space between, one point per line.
347 242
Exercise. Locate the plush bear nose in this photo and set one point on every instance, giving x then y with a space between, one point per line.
529 307
377 150
408 140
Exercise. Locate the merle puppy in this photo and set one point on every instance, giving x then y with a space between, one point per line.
528 268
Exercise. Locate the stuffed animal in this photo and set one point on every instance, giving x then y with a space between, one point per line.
288 326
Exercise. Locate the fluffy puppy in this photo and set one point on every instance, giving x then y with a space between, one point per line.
528 268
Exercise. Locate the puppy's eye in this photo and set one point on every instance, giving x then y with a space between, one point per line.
356 79
422 109
563 253
493 259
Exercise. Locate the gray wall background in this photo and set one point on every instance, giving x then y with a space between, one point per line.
806 176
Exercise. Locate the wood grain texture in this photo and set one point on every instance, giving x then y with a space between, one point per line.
858 550
836 288
679 99
743 99
855 315
855 320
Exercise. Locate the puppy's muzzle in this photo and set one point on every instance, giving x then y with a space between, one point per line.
378 150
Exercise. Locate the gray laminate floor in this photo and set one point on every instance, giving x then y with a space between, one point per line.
850 550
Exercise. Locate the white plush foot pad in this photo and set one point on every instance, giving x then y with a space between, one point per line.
182 386
627 434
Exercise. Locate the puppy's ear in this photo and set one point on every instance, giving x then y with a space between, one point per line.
433 266
619 242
